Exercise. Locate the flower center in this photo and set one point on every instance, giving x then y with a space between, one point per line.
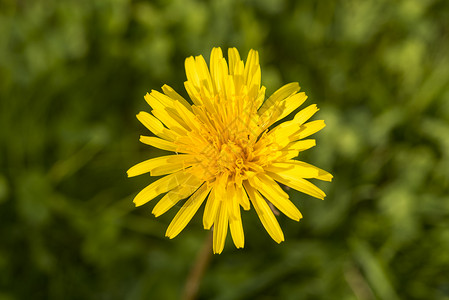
230 158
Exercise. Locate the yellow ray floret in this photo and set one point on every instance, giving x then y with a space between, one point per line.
227 151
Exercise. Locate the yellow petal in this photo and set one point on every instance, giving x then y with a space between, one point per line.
160 186
274 193
220 76
188 117
298 184
179 128
234 60
292 132
243 197
272 103
252 68
305 114
282 139
220 228
193 92
179 193
192 74
291 103
203 74
309 129
300 145
187 211
320 173
173 165
175 96
162 165
285 155
233 204
155 126
163 108
158 143
215 60
265 214
290 169
213 203
158 100
286 130
252 74
169 120
210 210
236 68
259 99
235 224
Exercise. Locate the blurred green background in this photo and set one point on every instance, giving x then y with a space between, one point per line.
72 78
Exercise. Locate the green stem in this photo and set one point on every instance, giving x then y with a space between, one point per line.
196 273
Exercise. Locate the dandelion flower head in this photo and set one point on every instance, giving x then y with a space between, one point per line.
227 150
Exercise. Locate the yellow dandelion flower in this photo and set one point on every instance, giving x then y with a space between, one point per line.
227 153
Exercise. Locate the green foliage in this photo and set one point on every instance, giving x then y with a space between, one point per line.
73 74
